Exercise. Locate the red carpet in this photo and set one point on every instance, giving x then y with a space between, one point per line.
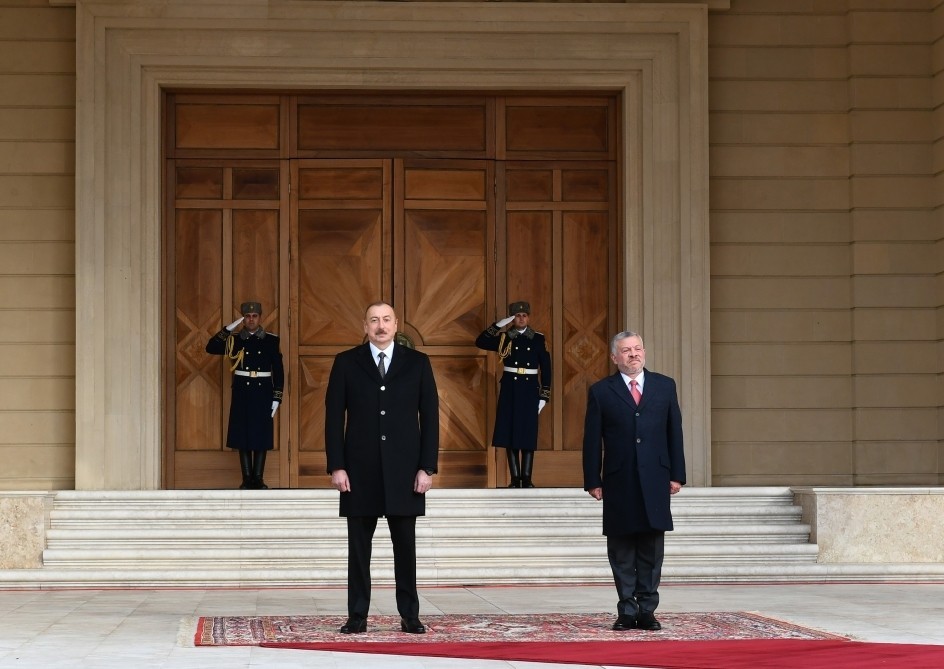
742 654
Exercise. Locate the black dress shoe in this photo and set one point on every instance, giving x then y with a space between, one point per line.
412 626
624 623
648 622
354 625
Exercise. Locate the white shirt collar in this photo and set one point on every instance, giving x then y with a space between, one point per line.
388 353
640 380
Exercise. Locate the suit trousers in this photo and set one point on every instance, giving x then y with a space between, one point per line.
636 562
360 535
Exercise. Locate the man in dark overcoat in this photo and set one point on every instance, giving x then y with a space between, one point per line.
525 388
633 460
258 381
382 445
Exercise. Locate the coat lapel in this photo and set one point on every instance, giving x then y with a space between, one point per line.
366 360
618 387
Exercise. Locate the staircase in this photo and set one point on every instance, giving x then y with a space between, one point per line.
233 538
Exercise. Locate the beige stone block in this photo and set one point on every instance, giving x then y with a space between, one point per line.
775 260
778 293
38 56
895 258
781 392
891 126
895 357
23 530
56 461
778 29
910 479
904 60
812 458
778 161
796 325
782 194
815 479
796 227
37 292
37 158
895 324
890 27
49 90
54 326
30 359
897 159
889 458
893 192
895 291
900 224
37 23
37 224
781 358
26 258
23 394
743 127
890 92
896 390
28 124
778 96
764 62
730 458
37 191
775 425
37 427
901 424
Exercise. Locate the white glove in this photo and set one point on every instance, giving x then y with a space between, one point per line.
275 407
541 404
505 321
232 326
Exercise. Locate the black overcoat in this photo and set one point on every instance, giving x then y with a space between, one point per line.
516 416
633 452
250 411
382 431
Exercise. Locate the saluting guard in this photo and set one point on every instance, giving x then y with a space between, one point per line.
258 379
525 388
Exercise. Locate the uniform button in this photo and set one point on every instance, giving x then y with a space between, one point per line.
383 413
383 437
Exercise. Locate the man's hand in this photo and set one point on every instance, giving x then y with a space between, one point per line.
541 404
674 487
275 407
505 321
422 482
596 493
340 480
232 326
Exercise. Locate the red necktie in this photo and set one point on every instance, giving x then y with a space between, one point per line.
634 390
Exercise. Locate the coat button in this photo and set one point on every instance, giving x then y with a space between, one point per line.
383 413
383 387
383 437
638 440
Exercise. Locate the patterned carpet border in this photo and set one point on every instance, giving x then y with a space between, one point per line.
497 628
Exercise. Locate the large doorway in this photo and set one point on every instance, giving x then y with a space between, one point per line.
446 206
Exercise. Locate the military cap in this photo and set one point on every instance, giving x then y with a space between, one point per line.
250 308
519 307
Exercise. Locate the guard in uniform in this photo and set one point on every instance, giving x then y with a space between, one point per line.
258 379
525 388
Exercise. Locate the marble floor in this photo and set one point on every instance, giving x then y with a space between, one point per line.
112 629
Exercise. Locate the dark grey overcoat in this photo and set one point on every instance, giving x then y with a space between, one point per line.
633 452
382 431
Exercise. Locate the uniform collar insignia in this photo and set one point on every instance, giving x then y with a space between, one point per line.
244 334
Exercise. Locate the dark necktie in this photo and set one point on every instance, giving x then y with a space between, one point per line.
380 364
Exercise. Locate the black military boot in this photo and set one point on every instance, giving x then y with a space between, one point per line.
527 463
245 464
258 467
514 468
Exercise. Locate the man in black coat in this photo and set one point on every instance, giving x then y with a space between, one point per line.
633 460
258 381
382 446
525 388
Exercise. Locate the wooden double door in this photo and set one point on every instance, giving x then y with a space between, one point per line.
448 241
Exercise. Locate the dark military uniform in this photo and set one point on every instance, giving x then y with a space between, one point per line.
258 379
525 380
